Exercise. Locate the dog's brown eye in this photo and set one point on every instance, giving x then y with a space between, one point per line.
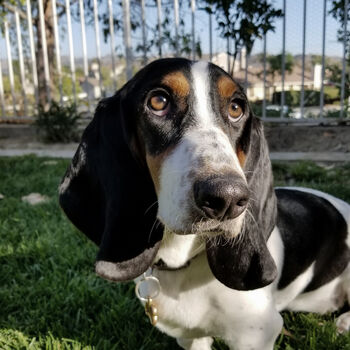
235 111
159 104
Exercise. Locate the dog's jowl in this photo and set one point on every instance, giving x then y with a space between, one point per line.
172 180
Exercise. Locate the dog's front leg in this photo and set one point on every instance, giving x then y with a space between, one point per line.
256 333
195 344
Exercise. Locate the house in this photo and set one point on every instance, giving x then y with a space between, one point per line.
255 75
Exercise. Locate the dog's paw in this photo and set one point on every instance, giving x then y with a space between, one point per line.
195 344
343 323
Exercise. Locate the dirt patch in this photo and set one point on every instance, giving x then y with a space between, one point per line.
281 138
299 138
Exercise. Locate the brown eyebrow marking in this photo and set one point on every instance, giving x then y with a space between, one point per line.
226 86
177 82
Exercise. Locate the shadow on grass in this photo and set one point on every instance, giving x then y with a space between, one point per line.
40 298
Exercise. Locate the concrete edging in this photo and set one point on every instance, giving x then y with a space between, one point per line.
275 156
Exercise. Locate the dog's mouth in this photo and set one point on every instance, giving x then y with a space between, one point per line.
209 228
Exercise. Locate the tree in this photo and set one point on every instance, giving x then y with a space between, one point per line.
170 44
275 65
335 72
338 12
243 21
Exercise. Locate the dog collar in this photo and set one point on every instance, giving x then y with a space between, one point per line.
162 266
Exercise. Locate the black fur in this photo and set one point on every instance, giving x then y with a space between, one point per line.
111 197
312 230
246 263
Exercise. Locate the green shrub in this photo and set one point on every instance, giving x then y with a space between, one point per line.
58 123
311 97
257 109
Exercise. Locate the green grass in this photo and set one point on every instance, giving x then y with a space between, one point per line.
50 297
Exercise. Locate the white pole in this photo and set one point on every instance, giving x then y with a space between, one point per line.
302 97
159 11
193 9
21 62
127 39
144 38
57 47
71 50
44 46
210 38
32 51
10 67
98 48
283 58
111 33
264 99
323 57
342 91
176 12
83 43
2 98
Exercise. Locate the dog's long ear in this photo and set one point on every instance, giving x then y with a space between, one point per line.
245 263
108 194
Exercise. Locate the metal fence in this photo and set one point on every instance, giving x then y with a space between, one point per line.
20 78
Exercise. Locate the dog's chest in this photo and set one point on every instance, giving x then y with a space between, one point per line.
192 303
186 299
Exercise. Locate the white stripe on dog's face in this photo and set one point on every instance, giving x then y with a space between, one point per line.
204 150
201 89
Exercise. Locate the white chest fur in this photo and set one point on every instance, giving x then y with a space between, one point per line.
192 303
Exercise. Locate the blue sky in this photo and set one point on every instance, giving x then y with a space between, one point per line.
274 40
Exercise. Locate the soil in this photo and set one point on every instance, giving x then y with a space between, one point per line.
281 138
301 138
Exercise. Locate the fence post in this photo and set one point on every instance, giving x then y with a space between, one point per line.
44 45
264 91
193 9
323 57
228 54
127 38
342 92
32 51
160 42
21 62
144 38
58 51
10 67
71 50
176 10
98 48
2 98
302 97
83 39
283 58
210 38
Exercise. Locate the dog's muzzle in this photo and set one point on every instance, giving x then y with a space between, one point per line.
221 197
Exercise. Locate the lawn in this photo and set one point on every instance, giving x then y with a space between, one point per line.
50 297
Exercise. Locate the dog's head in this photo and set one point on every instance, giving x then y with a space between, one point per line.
178 147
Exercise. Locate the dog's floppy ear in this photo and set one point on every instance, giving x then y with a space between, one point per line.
245 263
108 194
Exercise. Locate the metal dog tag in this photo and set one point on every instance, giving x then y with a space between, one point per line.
146 289
151 311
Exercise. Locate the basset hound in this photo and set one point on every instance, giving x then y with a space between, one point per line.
172 180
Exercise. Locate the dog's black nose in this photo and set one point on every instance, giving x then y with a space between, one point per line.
221 197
